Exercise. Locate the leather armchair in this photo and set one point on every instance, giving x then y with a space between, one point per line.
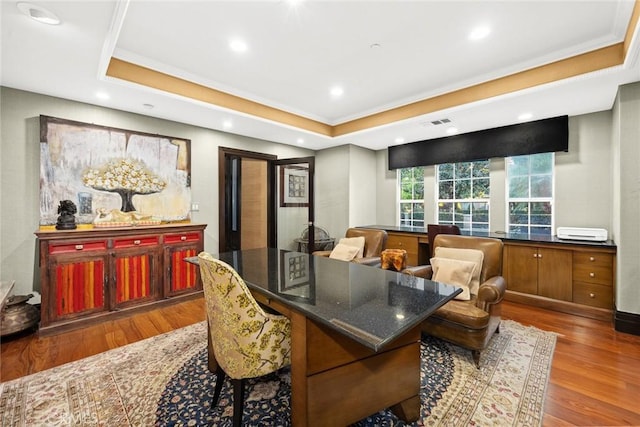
375 242
469 324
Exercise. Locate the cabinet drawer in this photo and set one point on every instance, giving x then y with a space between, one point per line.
593 259
599 274
132 242
182 238
593 294
66 247
408 243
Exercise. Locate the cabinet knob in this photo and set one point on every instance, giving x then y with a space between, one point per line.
591 258
592 274
79 247
535 255
592 295
136 242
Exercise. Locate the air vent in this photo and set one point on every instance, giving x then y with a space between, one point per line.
436 122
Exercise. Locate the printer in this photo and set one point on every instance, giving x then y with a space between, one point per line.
576 233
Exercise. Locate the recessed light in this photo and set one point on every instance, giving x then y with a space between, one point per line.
148 106
525 116
375 46
102 95
479 33
399 140
452 130
238 45
300 141
336 91
38 13
227 124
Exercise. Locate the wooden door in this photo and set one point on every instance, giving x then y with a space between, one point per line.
246 203
521 267
555 273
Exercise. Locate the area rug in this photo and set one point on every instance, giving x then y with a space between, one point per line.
164 381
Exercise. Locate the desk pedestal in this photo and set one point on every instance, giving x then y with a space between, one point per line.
337 381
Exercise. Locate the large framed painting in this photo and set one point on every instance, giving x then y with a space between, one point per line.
112 173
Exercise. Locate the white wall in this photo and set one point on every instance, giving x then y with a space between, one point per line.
20 165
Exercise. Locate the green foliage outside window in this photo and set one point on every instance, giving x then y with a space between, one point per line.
412 196
530 191
463 194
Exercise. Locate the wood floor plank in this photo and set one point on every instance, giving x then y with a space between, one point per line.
595 373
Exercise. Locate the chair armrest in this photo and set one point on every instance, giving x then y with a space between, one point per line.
321 253
424 271
491 292
373 261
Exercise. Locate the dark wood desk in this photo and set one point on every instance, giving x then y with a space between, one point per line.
355 332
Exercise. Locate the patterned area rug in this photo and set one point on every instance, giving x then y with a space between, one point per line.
164 381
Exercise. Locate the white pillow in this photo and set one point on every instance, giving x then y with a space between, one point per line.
343 252
474 255
454 272
357 242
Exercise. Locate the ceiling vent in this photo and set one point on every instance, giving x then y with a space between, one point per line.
436 122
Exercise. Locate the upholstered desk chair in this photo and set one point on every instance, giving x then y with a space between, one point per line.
375 242
469 324
247 342
434 229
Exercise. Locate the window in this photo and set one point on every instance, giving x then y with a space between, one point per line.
530 193
411 196
463 195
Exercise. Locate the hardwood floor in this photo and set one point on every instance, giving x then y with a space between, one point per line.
595 375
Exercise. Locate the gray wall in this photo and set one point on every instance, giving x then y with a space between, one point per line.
626 196
583 180
597 184
20 170
345 188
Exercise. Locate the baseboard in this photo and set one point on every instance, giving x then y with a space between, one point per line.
597 313
627 322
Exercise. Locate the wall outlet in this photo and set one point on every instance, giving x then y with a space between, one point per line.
195 207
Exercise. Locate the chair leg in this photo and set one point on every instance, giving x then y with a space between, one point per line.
220 376
238 401
476 357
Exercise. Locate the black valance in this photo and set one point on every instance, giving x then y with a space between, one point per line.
540 136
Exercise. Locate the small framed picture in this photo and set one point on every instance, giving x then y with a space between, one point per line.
294 186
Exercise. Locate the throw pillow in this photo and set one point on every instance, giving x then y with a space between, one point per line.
474 255
454 272
357 242
344 252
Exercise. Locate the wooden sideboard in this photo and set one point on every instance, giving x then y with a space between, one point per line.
571 278
91 274
576 277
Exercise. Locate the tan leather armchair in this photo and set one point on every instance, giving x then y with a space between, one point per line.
469 324
375 242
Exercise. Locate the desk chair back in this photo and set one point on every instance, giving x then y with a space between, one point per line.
247 341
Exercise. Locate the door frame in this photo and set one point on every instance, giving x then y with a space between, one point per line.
223 154
310 160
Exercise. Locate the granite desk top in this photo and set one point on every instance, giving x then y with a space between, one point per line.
370 305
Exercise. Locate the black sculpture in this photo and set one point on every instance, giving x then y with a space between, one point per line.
67 219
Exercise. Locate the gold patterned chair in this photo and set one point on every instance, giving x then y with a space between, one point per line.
247 342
